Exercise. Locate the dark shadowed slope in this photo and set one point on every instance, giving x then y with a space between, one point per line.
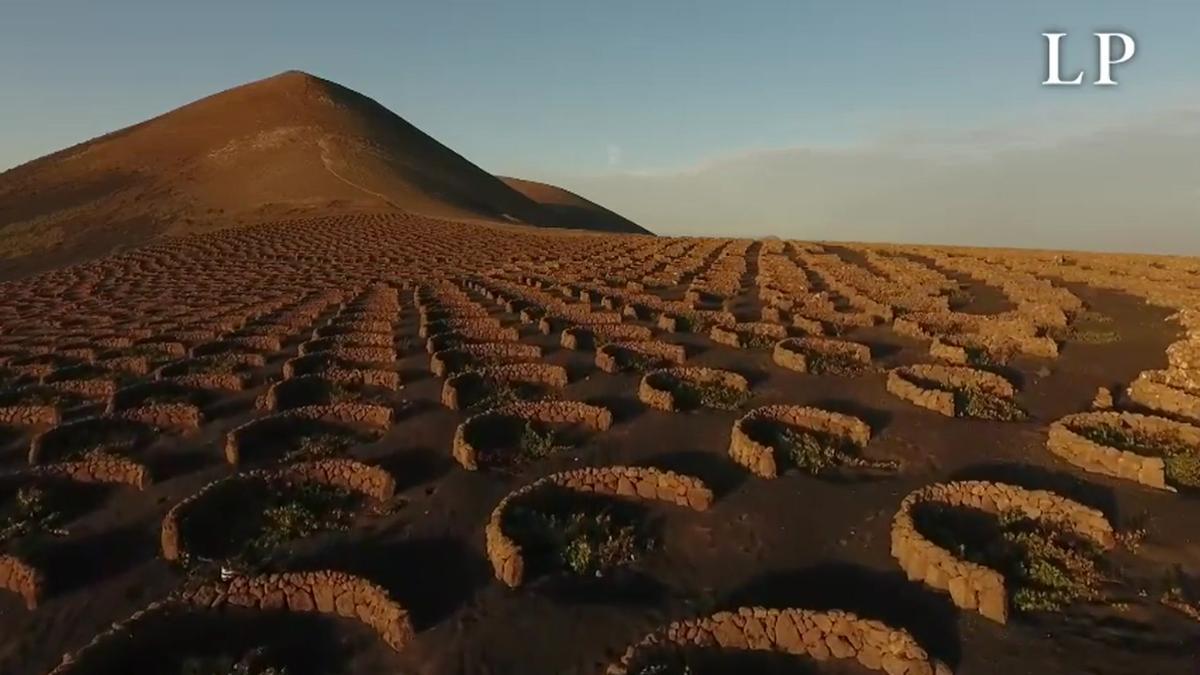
286 145
571 210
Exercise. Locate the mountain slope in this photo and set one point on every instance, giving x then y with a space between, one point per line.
571 210
289 144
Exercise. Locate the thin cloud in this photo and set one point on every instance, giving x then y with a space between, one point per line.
1129 185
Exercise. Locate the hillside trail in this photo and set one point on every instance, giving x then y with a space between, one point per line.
323 144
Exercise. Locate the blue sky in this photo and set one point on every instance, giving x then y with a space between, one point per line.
579 92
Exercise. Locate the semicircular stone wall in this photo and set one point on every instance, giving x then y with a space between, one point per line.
617 481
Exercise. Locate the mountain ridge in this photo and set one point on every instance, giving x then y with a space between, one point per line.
287 145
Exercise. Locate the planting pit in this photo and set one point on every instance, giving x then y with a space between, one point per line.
585 523
105 436
310 390
993 546
822 356
278 624
34 511
593 336
248 519
762 640
1154 451
748 335
159 392
496 386
769 439
526 432
330 427
219 364
973 349
578 535
448 361
641 357
957 391
681 389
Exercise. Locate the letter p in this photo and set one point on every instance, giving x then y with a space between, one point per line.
1106 55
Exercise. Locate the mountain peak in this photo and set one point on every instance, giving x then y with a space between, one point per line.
287 145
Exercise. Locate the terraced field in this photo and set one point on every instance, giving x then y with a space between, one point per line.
385 443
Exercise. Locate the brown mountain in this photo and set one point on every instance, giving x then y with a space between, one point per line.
286 145
571 210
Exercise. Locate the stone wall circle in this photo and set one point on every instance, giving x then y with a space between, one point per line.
617 481
593 417
970 585
760 458
819 635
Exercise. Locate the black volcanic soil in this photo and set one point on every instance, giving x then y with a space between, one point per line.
797 541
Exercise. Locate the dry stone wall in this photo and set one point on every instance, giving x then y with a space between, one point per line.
657 387
584 337
617 481
370 481
542 374
21 578
179 418
447 361
349 414
610 357
819 635
970 585
29 416
1158 391
760 457
933 386
324 591
468 434
795 353
739 335
1066 441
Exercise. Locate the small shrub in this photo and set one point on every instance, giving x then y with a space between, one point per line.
713 395
1177 597
810 452
960 297
319 446
536 443
820 363
1047 567
637 361
1181 463
978 404
815 453
29 512
341 392
757 340
292 512
720 397
1183 468
591 542
497 394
